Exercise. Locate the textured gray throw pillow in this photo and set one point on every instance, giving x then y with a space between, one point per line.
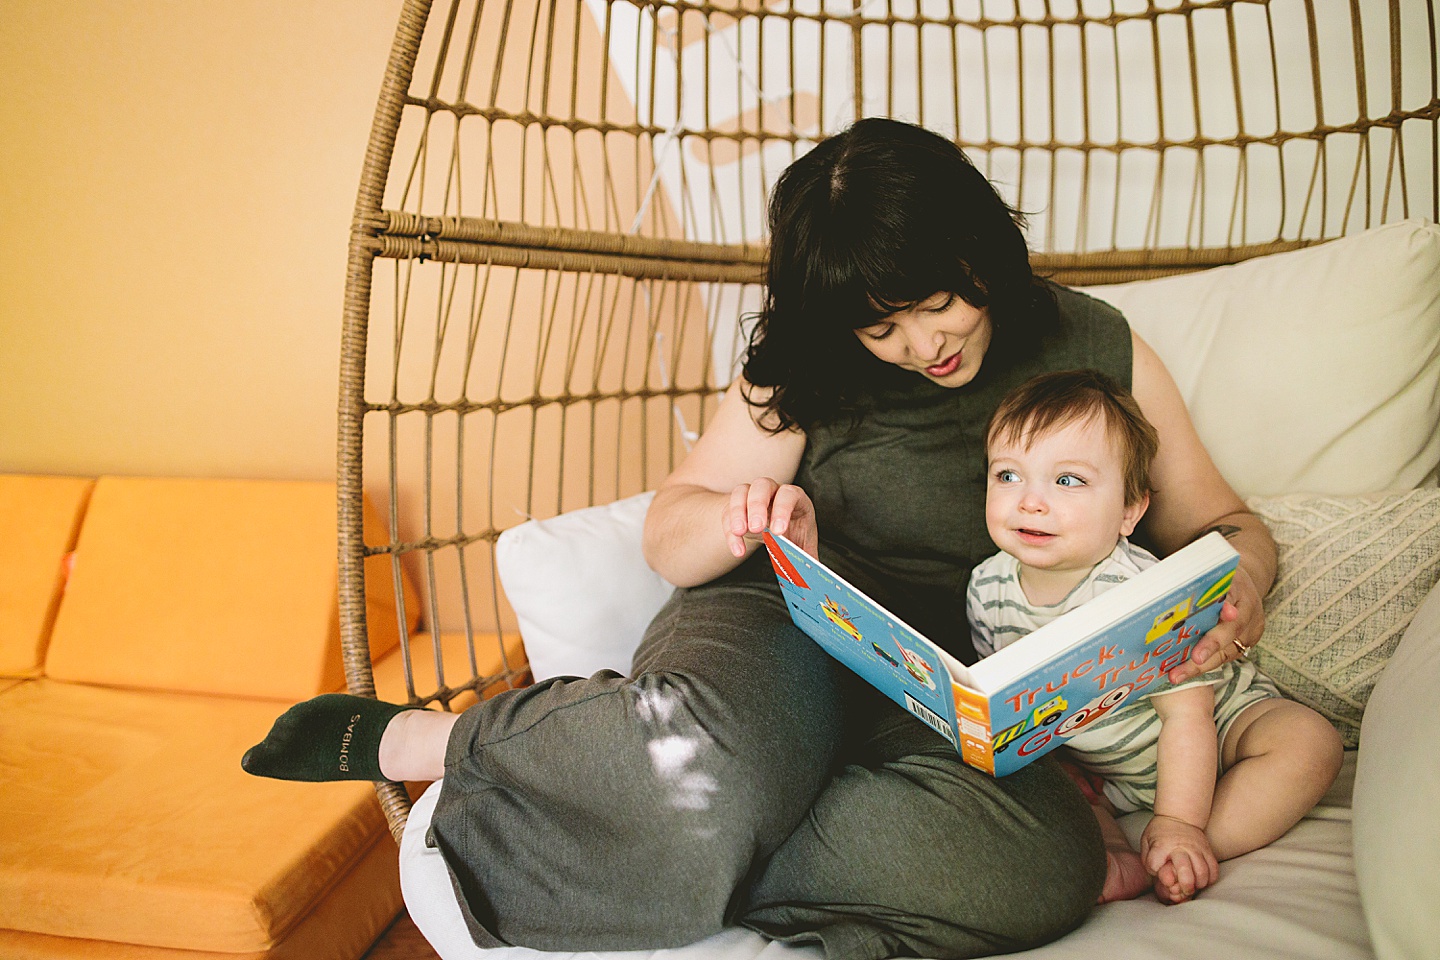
1352 572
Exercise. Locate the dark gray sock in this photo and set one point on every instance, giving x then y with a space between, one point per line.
335 736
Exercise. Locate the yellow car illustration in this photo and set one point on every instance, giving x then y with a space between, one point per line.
1049 711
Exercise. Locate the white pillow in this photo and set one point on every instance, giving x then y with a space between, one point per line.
1397 791
1314 371
581 589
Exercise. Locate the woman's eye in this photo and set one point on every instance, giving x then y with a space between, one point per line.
943 305
1069 480
878 332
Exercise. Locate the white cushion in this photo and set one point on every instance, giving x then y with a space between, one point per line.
1352 572
1397 793
581 589
1314 371
1293 900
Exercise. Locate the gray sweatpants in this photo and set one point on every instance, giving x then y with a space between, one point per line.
743 777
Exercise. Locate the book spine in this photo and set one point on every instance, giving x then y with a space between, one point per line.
976 743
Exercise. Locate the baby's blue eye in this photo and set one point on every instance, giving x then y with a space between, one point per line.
1007 476
1069 480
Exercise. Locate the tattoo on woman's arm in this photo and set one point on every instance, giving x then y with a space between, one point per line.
1226 530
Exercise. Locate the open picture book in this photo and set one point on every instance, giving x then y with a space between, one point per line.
1022 701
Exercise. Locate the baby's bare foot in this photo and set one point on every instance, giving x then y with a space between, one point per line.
1125 876
1167 886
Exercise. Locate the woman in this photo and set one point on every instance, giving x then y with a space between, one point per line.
739 775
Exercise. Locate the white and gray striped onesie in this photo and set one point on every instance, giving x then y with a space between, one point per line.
1121 747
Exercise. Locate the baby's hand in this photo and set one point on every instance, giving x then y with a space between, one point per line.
1178 855
761 503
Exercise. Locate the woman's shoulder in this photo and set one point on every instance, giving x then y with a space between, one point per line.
1079 307
1089 333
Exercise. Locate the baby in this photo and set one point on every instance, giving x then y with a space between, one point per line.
1070 457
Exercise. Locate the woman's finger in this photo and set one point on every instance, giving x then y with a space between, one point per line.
794 516
732 519
762 494
1210 652
783 508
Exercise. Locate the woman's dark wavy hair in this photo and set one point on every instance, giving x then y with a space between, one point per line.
873 220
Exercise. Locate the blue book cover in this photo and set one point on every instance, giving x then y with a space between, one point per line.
1025 700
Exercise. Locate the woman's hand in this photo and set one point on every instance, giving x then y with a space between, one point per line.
1242 621
681 542
782 507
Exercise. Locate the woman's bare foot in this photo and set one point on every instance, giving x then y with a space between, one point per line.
1125 874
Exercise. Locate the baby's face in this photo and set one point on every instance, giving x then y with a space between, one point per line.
1058 504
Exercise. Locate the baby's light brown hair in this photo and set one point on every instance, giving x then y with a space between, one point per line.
1054 400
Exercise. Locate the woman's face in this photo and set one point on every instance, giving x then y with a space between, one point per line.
942 338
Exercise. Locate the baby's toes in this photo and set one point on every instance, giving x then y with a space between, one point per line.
1167 885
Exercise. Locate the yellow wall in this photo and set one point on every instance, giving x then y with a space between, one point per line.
176 185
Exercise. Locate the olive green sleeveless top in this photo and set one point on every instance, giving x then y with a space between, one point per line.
900 495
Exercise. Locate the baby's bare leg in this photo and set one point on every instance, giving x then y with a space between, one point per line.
1279 759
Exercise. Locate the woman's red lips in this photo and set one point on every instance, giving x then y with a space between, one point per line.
946 367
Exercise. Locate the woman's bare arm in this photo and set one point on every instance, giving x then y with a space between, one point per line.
736 480
1191 498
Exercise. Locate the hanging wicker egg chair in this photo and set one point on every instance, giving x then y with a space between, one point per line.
560 221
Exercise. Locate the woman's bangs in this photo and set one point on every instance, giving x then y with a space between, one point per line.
839 290
890 279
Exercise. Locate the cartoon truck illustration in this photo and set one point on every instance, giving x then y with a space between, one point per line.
1217 590
1170 620
1043 715
839 616
1049 711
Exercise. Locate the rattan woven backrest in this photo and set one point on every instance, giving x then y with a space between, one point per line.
560 218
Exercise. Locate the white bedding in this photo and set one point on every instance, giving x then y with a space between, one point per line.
1294 900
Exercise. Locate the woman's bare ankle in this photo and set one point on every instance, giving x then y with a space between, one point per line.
414 743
